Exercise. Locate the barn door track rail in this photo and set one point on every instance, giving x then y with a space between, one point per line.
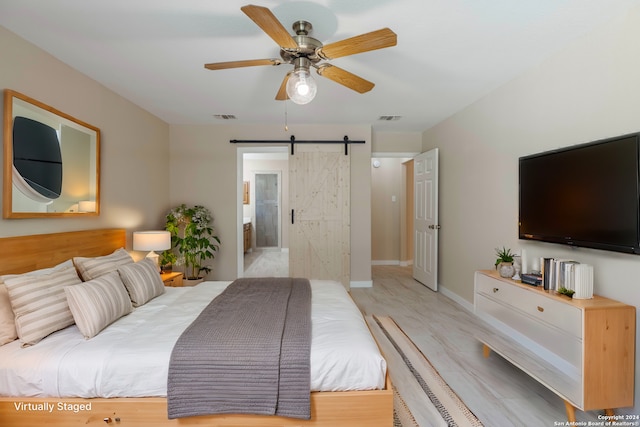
346 141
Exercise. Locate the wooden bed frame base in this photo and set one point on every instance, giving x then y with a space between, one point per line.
372 408
328 409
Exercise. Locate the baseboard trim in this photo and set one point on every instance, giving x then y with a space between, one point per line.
385 262
361 284
392 262
457 298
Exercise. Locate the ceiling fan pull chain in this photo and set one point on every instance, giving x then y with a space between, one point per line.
286 126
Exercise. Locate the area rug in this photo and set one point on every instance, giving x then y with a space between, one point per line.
402 416
417 383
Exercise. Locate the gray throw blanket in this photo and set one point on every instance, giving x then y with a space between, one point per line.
247 352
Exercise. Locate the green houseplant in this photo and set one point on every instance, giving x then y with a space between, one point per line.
167 260
193 238
504 262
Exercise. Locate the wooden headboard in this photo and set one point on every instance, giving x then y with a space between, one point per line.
21 254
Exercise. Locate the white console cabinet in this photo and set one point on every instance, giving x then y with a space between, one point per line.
582 350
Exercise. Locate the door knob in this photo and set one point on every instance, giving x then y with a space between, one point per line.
434 227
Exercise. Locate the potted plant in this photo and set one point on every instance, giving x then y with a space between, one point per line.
504 263
167 260
193 238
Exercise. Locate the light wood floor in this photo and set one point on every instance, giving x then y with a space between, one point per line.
268 262
499 394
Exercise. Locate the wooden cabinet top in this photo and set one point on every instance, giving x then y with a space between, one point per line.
597 302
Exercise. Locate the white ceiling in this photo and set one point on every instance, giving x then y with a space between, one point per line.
450 53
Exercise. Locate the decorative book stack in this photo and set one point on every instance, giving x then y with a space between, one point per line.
568 274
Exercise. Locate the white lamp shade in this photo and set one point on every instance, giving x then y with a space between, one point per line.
151 240
87 206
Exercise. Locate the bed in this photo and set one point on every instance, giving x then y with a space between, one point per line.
46 397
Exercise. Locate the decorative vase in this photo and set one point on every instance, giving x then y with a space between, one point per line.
505 269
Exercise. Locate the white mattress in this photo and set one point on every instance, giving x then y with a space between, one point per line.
130 357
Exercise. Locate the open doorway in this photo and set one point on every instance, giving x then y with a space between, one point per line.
263 239
392 209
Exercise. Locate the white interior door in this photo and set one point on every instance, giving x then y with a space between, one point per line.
319 241
425 220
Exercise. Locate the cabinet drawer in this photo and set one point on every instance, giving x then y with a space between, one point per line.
174 280
537 305
558 341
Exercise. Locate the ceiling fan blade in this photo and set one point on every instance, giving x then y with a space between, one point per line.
239 64
363 43
345 78
282 92
266 20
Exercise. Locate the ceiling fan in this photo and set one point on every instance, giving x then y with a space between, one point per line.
305 52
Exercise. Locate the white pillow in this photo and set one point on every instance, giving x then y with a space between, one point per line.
92 268
98 303
142 280
43 271
8 331
40 304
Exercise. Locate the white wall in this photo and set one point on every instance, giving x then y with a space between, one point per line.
588 91
396 142
134 144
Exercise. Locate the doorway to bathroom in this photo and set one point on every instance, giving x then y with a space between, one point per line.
263 233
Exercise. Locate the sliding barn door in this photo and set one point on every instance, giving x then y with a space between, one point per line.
319 242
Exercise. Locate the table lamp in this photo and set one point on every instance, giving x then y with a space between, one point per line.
152 241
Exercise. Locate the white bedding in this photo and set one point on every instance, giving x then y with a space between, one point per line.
130 357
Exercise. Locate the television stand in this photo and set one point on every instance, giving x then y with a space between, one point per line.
582 350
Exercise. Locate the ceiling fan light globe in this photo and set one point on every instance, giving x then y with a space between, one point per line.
301 87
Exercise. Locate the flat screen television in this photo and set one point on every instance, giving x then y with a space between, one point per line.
585 195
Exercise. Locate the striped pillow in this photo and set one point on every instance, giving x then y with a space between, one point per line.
92 268
8 331
40 304
142 281
98 303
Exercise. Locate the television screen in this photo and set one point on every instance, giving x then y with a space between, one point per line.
37 157
585 195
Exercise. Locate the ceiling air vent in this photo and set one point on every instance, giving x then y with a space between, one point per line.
389 118
225 116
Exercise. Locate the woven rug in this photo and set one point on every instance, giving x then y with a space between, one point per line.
402 416
417 384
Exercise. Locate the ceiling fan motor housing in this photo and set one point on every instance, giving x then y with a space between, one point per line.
307 46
